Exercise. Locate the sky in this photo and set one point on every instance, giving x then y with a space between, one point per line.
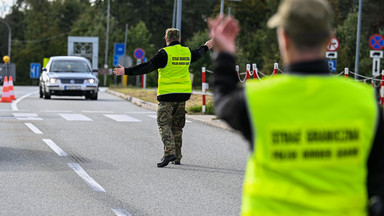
5 6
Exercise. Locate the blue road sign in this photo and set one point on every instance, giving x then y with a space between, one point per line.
138 53
332 65
119 49
376 42
35 70
116 60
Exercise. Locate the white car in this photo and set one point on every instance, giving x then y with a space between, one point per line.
68 76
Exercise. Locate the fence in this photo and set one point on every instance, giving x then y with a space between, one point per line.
256 74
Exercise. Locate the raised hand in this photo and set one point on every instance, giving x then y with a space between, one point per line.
224 31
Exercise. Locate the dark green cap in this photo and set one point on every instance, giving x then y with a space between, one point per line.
172 33
305 21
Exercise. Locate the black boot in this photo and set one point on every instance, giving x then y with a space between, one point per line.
165 160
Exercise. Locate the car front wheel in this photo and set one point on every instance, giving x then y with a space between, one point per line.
41 91
46 95
94 96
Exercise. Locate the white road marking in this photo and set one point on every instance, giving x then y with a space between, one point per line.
121 212
14 103
123 118
55 147
26 116
88 179
33 128
155 117
75 117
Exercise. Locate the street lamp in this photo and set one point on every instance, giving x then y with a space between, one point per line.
176 19
222 7
9 37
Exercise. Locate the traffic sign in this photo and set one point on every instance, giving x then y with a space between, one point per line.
331 55
376 42
376 54
138 53
116 60
125 61
332 65
333 45
35 70
119 49
376 67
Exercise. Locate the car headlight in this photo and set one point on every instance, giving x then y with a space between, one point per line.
53 80
91 81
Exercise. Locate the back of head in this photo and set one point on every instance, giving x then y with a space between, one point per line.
172 34
307 22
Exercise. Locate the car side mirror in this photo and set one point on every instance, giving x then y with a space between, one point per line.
95 72
44 70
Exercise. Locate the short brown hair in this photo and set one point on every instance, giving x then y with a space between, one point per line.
172 34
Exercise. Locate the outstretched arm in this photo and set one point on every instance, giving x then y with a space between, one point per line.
200 52
158 61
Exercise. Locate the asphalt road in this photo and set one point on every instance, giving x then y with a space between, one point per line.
71 156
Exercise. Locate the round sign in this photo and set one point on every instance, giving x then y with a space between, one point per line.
6 59
138 53
333 44
376 42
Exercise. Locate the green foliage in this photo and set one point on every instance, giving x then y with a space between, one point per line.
140 37
209 109
195 42
40 29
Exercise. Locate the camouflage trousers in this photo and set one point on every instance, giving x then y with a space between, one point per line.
171 121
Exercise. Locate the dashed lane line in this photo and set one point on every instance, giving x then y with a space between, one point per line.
55 147
88 179
121 212
33 128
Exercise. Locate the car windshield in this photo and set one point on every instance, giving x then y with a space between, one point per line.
69 66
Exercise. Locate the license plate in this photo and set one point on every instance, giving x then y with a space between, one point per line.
72 87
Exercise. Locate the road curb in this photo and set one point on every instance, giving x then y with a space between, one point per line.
207 119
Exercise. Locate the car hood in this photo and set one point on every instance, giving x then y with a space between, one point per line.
63 75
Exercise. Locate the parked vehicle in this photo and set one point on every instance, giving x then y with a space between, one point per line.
68 76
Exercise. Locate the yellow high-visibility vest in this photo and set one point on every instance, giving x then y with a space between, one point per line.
174 77
312 138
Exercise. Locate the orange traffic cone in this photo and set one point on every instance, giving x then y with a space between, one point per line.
11 90
5 96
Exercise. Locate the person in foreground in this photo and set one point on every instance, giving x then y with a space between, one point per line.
174 89
316 140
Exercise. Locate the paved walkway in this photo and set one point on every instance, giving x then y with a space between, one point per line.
207 119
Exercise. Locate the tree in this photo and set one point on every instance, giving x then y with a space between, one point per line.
195 42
